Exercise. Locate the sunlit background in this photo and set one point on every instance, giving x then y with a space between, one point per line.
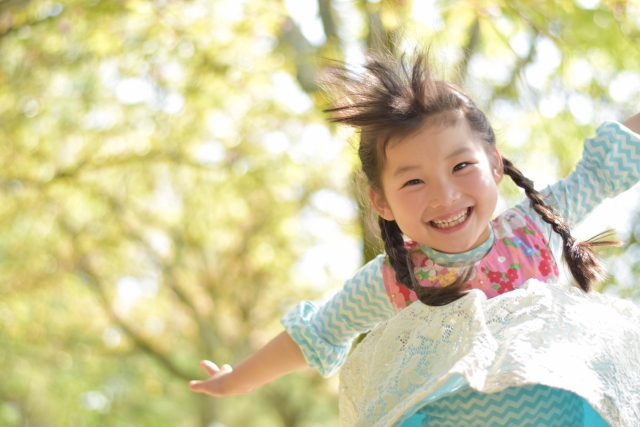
169 187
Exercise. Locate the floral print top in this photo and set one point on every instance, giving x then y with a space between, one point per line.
518 251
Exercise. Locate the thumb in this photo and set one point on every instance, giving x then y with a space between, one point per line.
209 366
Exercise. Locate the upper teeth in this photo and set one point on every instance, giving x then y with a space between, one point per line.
452 221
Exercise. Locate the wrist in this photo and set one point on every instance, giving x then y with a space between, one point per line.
231 385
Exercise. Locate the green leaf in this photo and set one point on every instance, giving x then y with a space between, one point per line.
423 274
509 243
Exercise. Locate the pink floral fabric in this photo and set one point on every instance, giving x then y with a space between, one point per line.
520 252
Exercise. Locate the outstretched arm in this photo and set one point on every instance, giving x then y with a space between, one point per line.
279 357
315 336
610 164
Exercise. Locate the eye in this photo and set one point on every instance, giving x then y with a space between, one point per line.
412 182
460 166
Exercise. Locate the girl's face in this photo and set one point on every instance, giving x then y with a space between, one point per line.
440 187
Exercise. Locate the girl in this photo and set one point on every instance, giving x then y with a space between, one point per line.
430 159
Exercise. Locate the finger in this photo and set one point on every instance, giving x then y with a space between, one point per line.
210 367
226 367
196 386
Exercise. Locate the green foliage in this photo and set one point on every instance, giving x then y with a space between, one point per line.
145 224
154 180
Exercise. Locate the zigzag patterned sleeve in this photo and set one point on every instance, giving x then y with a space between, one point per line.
610 164
324 333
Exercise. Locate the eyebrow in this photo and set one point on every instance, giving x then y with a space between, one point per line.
403 169
461 150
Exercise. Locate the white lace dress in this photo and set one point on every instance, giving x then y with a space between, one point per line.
541 355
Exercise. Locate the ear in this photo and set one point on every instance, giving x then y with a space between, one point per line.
380 204
498 166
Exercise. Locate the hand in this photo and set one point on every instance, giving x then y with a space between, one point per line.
279 357
217 383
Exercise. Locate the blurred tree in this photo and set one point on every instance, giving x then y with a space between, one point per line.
152 181
162 160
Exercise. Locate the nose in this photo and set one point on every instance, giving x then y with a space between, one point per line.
442 194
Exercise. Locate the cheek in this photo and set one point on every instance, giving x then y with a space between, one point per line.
484 187
480 181
407 201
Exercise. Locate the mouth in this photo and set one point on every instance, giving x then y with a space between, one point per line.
458 219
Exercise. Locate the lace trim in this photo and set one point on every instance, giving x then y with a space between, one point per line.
587 344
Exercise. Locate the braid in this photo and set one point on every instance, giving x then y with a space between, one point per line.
403 267
444 295
397 252
583 263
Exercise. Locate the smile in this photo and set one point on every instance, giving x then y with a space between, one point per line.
451 222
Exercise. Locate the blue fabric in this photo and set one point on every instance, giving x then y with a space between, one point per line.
530 406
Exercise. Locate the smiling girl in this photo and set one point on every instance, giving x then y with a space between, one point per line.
451 275
440 185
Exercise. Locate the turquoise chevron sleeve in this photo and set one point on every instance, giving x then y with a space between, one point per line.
324 333
610 164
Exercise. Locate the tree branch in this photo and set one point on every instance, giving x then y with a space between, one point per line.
137 339
6 4
378 38
169 277
12 28
469 49
328 18
291 36
146 347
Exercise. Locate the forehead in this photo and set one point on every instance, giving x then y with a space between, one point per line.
434 140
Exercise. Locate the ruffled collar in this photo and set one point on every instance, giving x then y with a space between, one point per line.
462 259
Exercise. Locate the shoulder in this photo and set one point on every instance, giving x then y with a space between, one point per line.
370 273
514 222
509 220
